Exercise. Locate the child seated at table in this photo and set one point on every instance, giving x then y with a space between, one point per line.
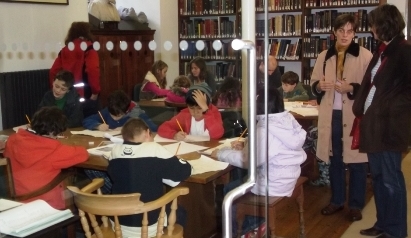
155 82
37 157
285 153
178 90
142 170
292 89
229 94
201 118
120 108
65 97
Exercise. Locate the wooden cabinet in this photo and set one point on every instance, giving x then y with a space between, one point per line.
125 63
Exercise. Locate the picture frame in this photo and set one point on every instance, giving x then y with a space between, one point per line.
54 2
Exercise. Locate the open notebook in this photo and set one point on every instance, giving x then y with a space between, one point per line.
31 217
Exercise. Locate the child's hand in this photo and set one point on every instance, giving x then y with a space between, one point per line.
214 154
201 99
237 145
118 128
103 127
180 136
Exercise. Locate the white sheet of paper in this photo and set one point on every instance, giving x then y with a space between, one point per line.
228 141
184 148
191 138
104 151
209 151
18 127
95 133
305 111
206 164
7 204
115 139
158 139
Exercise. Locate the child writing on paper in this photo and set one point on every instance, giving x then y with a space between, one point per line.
120 108
155 82
201 118
37 157
285 153
139 165
65 97
291 88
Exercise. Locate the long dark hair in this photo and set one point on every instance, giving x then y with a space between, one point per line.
275 102
201 64
387 21
229 92
159 65
49 121
77 30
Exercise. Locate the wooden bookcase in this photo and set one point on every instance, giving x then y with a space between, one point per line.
123 68
209 22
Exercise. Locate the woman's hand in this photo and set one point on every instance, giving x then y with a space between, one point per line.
342 86
103 127
180 136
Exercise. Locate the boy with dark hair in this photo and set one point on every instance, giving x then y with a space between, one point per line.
63 96
140 165
120 108
37 157
291 88
201 118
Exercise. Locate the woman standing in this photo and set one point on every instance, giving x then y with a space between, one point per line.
79 57
200 74
337 74
155 82
384 102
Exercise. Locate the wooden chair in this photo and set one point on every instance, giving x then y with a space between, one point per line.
251 204
123 205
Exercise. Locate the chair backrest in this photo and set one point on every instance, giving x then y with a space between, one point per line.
122 205
6 176
136 92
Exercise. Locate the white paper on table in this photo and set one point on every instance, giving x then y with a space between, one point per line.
288 106
115 139
22 126
191 138
7 204
228 141
306 111
158 139
209 151
104 151
184 148
206 164
95 133
31 217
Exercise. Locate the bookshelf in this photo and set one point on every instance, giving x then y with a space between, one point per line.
206 29
319 16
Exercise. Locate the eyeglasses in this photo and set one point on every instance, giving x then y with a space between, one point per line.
342 31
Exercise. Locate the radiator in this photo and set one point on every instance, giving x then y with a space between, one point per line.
21 93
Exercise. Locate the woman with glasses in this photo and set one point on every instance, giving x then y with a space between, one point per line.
337 75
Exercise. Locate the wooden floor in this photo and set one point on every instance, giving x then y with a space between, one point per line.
316 224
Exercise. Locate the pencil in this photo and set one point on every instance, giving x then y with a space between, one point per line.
241 136
28 119
179 126
102 117
178 148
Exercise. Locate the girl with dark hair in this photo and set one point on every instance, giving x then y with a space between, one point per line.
37 157
155 82
200 74
229 94
384 101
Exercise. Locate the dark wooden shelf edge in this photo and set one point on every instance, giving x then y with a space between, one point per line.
344 6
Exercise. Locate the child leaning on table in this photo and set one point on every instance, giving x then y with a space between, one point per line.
291 88
37 157
140 165
179 90
120 108
201 118
285 153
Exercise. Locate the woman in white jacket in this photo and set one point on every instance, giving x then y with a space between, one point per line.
285 153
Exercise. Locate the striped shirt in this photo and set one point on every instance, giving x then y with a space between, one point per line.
372 90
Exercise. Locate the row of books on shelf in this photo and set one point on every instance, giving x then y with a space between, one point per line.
282 25
306 77
316 44
323 21
284 49
220 70
205 7
220 27
225 53
325 3
278 5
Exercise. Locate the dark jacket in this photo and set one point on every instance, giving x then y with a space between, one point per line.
72 108
386 124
